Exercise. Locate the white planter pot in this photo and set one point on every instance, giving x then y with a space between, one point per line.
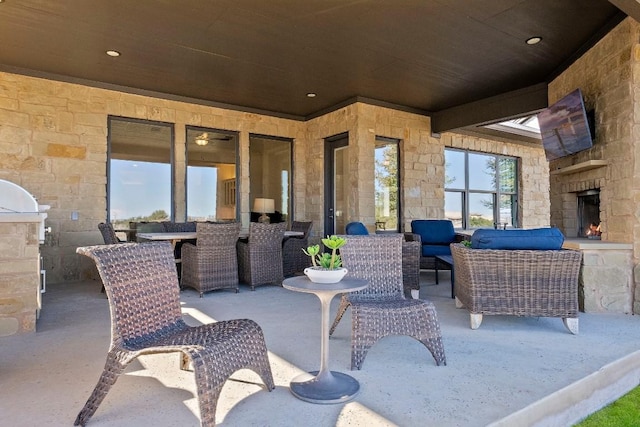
322 275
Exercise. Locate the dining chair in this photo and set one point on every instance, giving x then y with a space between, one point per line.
211 263
260 257
381 309
293 259
144 301
108 233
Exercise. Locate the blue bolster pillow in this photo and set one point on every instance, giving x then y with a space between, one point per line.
533 239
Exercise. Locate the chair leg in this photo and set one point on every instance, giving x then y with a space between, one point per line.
344 304
435 347
113 367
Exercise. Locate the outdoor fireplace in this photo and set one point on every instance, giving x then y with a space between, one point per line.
589 214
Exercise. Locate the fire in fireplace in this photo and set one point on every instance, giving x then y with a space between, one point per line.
589 214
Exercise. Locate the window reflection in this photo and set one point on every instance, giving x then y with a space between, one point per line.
270 175
453 207
139 171
386 185
211 175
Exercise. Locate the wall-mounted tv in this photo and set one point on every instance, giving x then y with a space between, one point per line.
564 127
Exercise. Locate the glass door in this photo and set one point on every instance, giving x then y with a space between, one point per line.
336 184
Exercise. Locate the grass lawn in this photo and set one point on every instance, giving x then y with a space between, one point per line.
624 412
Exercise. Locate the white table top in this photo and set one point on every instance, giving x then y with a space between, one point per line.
184 235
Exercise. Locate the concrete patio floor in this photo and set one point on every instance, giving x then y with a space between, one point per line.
509 372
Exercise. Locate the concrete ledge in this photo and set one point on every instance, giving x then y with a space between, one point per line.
571 404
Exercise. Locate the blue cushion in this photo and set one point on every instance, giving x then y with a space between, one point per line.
357 229
534 239
433 250
434 231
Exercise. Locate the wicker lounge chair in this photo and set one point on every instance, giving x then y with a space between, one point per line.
212 263
260 258
144 300
381 309
539 283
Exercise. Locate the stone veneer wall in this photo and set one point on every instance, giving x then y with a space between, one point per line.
19 277
53 142
609 77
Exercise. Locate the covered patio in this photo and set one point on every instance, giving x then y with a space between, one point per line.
511 371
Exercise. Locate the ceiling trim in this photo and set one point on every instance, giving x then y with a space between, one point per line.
497 108
369 101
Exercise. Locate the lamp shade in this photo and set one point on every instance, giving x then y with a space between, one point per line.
264 205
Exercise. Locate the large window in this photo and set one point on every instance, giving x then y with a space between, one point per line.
211 175
270 176
139 171
387 200
480 189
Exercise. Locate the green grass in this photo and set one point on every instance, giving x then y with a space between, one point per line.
624 412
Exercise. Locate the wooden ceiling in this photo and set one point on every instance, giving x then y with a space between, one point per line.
431 57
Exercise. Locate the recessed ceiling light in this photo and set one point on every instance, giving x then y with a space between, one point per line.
534 40
311 95
113 53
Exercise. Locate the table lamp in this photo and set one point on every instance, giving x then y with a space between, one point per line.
264 206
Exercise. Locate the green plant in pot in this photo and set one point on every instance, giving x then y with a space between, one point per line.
327 266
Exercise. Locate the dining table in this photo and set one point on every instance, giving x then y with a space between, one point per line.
178 236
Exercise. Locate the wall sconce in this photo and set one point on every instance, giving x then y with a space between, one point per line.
264 206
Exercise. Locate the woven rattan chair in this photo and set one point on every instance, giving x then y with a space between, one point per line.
144 300
108 233
381 309
293 259
213 262
537 283
260 258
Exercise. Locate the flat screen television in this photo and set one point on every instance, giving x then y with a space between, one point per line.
565 127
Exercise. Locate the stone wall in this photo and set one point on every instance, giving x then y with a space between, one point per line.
609 77
53 142
19 277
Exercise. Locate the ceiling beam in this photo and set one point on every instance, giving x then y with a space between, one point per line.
630 7
498 108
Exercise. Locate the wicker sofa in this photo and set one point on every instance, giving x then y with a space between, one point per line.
519 282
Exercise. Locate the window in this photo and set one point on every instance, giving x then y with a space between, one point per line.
480 189
387 200
139 185
211 175
270 176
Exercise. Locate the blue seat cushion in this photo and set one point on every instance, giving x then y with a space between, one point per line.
433 250
434 231
356 229
534 239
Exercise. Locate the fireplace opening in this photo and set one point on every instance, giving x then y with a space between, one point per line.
589 214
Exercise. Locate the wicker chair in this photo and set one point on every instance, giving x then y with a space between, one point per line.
260 257
293 259
539 283
436 235
108 233
144 301
213 262
411 256
381 309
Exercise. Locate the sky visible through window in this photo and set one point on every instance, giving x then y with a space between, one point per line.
140 188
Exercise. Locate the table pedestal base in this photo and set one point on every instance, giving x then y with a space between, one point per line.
328 387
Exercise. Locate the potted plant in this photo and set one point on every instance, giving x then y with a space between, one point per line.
327 267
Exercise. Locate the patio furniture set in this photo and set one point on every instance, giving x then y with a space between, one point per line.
513 272
213 256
